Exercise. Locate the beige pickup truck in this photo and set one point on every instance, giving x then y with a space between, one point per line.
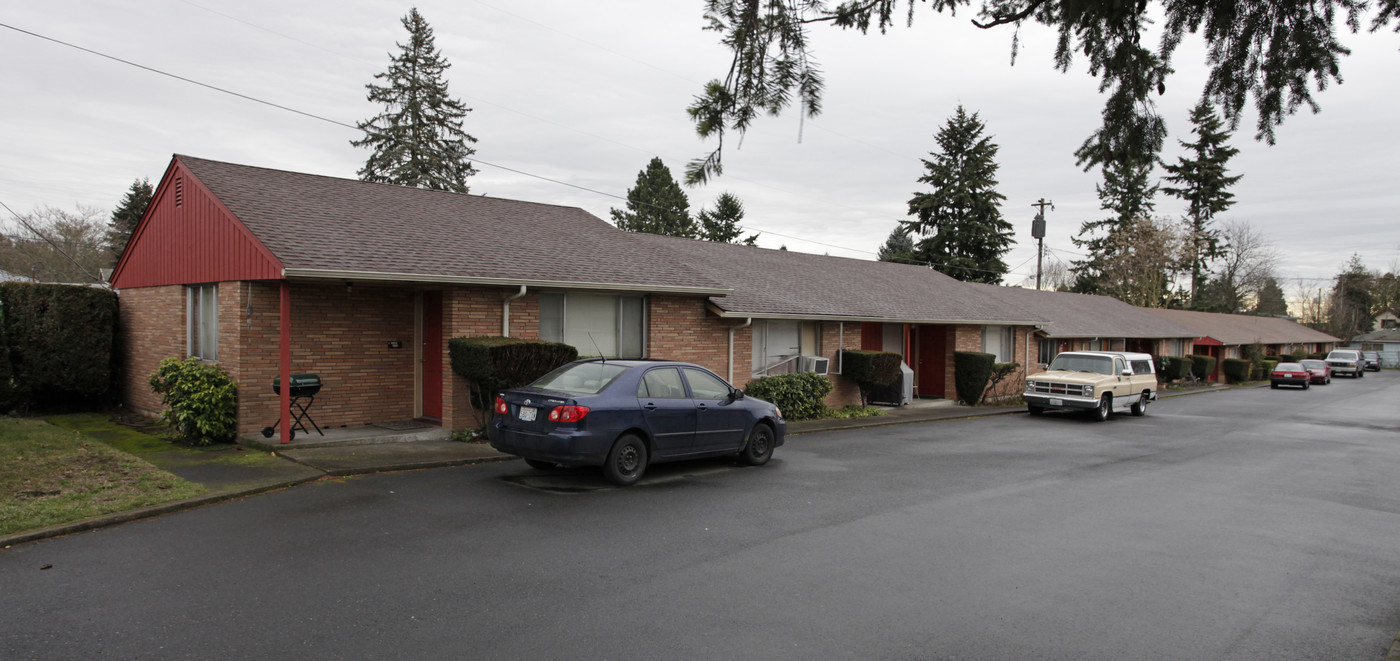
1097 381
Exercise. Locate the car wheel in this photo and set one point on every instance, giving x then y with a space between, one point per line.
541 465
1273 385
1105 405
759 449
1035 410
1306 385
1140 407
626 461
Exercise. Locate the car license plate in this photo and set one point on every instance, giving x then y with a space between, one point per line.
1057 402
527 413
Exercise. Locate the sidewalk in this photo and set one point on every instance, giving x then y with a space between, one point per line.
257 465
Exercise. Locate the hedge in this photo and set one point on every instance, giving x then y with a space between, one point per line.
1202 366
491 364
59 341
800 396
1237 369
1177 368
971 371
870 370
1264 369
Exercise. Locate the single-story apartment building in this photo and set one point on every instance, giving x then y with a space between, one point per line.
1226 335
270 273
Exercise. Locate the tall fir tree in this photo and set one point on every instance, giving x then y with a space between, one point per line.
1350 311
126 215
1271 301
721 224
656 205
899 247
418 140
1127 193
960 219
1203 182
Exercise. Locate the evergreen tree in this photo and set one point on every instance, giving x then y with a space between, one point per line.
899 247
656 205
1127 192
418 140
960 219
721 224
126 215
1202 181
1271 301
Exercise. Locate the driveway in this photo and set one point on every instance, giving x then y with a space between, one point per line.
1245 524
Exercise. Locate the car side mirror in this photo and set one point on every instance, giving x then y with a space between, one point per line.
1127 372
735 394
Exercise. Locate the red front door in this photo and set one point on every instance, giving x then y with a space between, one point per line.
932 355
431 384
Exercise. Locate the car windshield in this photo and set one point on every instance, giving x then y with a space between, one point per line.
586 378
1069 362
1314 364
1342 355
1288 367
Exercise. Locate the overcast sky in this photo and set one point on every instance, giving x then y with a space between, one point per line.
586 93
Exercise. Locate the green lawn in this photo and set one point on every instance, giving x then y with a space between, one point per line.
51 476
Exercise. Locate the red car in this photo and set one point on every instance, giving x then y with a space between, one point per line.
1319 370
1290 374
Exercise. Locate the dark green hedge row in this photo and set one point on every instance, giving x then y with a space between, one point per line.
1176 368
57 345
870 370
491 364
1202 366
800 396
1236 369
971 371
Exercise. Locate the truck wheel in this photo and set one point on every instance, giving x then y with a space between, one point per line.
1140 406
1034 410
1105 406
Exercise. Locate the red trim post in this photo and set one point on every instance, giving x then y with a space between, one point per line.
285 363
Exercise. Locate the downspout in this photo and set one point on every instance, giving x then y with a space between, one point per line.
747 322
505 311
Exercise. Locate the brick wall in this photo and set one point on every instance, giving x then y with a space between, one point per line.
151 327
836 336
680 328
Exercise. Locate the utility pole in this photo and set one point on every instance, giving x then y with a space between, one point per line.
1038 233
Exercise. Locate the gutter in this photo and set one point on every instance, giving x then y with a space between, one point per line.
379 276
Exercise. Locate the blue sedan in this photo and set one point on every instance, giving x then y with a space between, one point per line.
623 415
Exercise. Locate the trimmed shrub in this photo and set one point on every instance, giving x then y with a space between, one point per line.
1319 355
201 400
999 386
1276 359
1159 365
870 370
491 364
1177 368
1202 366
1264 369
971 371
60 341
1236 369
800 396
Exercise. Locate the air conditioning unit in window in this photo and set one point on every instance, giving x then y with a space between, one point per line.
816 364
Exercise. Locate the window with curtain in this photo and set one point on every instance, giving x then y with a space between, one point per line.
999 341
608 325
202 321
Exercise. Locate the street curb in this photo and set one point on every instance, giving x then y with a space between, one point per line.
883 421
394 468
145 513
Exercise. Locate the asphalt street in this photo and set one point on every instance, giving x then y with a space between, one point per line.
1246 524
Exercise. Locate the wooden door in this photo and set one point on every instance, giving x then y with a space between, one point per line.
932 358
430 373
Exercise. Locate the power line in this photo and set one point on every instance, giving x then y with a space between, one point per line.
22 221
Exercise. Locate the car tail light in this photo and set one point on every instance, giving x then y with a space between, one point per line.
501 405
568 413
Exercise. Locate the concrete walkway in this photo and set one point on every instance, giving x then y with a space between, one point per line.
232 472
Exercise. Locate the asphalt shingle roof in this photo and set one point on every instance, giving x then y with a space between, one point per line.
770 283
319 223
1086 315
1232 329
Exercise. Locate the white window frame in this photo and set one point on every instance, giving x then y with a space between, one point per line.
202 321
1006 341
619 321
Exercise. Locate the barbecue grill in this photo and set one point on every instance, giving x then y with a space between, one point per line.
303 387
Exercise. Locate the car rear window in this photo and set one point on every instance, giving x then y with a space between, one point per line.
581 378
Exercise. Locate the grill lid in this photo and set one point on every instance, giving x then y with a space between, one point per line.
298 381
